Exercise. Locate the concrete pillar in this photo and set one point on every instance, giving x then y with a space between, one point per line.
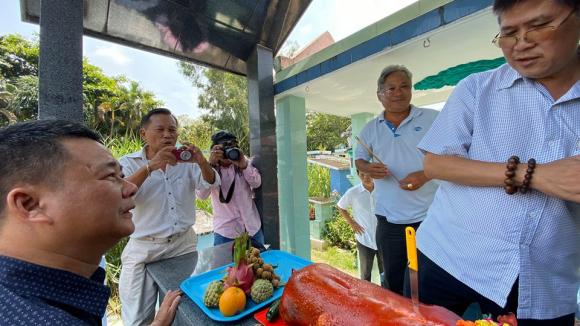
292 175
61 60
263 139
358 121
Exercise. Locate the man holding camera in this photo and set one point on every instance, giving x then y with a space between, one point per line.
164 209
233 205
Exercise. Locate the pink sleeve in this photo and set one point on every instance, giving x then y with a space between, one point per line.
252 176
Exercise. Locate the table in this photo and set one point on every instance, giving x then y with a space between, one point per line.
169 273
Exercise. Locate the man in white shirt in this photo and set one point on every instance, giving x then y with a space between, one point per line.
164 210
364 223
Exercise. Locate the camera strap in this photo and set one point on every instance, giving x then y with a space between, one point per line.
230 191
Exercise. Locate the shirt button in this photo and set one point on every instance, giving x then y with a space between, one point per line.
172 207
170 193
533 214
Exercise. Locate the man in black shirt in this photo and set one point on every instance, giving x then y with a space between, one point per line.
63 204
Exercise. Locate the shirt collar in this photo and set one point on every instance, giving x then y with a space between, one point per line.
415 112
30 280
509 77
362 188
142 154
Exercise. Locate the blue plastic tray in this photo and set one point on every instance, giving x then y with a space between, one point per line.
195 286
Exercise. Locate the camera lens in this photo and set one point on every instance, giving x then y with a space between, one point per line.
185 155
232 153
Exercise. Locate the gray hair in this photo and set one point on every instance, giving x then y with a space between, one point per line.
389 70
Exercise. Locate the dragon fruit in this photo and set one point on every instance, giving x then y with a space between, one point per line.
241 274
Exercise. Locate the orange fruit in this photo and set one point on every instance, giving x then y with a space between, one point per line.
232 301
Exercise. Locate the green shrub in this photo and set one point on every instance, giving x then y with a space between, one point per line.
204 205
118 146
337 232
113 270
318 181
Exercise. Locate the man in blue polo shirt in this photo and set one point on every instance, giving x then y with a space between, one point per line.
402 191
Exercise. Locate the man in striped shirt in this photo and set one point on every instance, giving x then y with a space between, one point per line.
510 253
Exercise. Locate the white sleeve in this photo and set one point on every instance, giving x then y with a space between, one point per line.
346 200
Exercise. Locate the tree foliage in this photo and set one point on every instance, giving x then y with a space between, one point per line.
18 56
195 131
323 131
112 105
222 99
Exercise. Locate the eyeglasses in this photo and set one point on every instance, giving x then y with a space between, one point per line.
533 35
391 90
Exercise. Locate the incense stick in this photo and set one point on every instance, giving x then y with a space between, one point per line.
375 157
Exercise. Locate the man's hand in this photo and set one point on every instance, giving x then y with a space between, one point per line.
197 155
242 163
216 154
167 309
377 170
163 157
356 227
413 181
560 178
353 224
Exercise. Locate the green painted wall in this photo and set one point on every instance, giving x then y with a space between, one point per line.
358 121
292 175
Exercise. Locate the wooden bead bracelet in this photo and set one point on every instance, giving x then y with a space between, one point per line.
510 183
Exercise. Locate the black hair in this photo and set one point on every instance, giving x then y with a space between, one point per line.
499 6
223 136
147 117
32 152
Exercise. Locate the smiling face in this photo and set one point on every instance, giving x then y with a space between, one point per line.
91 207
546 58
160 131
395 95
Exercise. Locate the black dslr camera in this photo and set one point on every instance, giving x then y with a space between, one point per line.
231 151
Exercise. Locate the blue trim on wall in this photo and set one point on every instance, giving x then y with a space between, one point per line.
415 27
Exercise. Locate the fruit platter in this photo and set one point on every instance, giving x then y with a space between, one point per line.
254 280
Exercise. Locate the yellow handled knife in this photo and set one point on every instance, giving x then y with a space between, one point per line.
413 265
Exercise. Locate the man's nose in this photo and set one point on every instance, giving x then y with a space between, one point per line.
522 42
129 189
396 91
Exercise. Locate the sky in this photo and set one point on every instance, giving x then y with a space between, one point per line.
161 75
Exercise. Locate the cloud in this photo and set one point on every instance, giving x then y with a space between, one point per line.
360 14
306 29
114 53
342 17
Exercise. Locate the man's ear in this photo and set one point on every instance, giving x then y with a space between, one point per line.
23 203
142 133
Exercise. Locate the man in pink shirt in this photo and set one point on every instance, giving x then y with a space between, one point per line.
234 210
